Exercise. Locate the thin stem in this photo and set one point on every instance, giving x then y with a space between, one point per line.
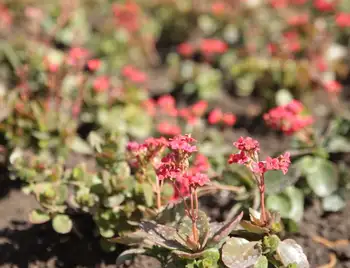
262 199
159 201
193 217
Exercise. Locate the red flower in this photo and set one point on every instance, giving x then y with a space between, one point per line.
101 84
229 119
213 46
247 144
333 87
343 19
259 168
167 105
94 64
240 158
288 118
185 49
183 143
284 162
133 74
6 18
166 128
218 8
201 163
199 108
215 116
127 15
272 163
77 55
279 3
297 20
198 179
324 5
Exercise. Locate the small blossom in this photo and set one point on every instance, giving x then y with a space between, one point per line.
272 163
199 108
167 105
127 15
182 143
343 19
94 64
101 84
133 74
324 5
201 163
166 128
284 162
215 116
185 49
247 144
259 168
218 8
240 158
210 47
229 119
77 55
198 179
333 87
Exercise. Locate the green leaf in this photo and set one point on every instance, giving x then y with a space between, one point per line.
185 227
78 145
333 203
62 224
289 204
148 193
290 252
322 177
240 253
338 144
128 255
261 263
276 181
37 216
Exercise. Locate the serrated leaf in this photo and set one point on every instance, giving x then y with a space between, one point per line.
62 224
322 177
240 253
37 216
290 252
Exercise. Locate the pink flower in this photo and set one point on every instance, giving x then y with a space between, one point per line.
272 163
101 84
333 87
240 158
182 143
278 3
213 46
229 119
133 74
201 163
215 116
77 55
133 146
198 179
343 19
166 128
199 108
185 49
297 20
167 105
218 8
94 64
324 5
247 144
6 18
127 15
259 168
284 162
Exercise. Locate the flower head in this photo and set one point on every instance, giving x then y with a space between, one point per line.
247 144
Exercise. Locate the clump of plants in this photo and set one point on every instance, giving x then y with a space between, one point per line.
192 241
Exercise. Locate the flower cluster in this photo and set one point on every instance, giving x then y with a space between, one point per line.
127 15
175 165
134 75
248 155
207 47
288 118
216 116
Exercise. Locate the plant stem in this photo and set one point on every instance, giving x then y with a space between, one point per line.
194 217
262 199
159 201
